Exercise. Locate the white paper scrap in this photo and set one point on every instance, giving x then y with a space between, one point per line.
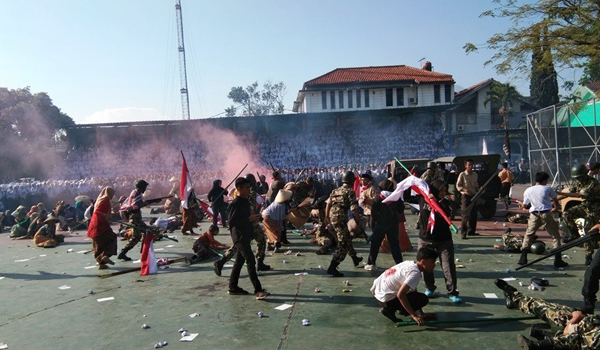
138 261
508 279
3 346
195 314
1 278
301 273
490 295
228 265
159 249
89 267
190 337
43 255
64 287
106 299
170 246
283 307
22 260
83 251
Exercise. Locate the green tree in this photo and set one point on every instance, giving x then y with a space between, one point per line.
573 33
591 72
502 95
543 87
29 124
252 101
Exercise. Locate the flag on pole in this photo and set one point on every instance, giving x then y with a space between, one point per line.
421 188
506 146
148 259
484 150
187 186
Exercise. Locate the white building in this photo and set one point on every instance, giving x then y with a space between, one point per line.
375 88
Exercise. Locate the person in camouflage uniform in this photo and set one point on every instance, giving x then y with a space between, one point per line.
512 243
580 331
256 202
341 200
323 236
432 173
587 188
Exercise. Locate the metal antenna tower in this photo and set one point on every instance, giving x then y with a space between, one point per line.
185 100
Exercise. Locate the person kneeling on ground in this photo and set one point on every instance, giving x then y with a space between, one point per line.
396 289
206 244
580 331
46 236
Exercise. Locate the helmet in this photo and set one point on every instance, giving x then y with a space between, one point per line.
538 247
431 165
250 177
141 184
348 177
578 171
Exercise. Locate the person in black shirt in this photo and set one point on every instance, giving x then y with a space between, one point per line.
217 203
438 237
384 221
242 233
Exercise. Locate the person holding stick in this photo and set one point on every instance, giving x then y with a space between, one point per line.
466 184
242 233
217 203
396 288
539 200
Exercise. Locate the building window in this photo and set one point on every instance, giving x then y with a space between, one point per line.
367 98
349 98
341 96
399 96
389 97
324 99
436 94
358 99
448 93
332 99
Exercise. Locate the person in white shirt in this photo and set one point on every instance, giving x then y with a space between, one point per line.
396 288
538 200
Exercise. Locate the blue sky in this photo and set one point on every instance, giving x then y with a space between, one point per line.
116 60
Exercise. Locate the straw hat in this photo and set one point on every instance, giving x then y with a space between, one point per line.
19 211
51 219
282 196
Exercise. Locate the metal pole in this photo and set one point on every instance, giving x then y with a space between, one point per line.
556 144
529 146
491 319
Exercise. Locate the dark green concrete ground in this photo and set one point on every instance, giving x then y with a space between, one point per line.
36 314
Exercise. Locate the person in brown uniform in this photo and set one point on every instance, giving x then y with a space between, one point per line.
466 184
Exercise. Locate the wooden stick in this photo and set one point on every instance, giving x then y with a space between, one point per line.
490 319
133 269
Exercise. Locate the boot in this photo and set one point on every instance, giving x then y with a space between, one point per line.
332 270
123 255
219 266
558 262
589 305
356 260
539 334
260 266
523 259
529 344
588 260
323 250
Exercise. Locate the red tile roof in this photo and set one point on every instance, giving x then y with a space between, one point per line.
472 88
380 74
594 86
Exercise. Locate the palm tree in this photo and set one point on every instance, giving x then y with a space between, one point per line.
502 95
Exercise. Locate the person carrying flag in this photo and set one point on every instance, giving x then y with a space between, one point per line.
435 233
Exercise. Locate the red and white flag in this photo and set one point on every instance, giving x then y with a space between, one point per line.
148 259
421 188
187 186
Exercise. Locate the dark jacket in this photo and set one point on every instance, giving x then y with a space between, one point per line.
441 230
239 223
215 195
385 214
275 187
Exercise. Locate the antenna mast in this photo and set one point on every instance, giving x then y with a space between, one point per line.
185 100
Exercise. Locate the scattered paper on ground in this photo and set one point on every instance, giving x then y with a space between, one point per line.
283 307
83 251
22 260
189 337
301 273
490 295
89 267
43 255
159 249
228 265
1 278
195 314
508 279
137 261
3 346
64 287
106 299
170 246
